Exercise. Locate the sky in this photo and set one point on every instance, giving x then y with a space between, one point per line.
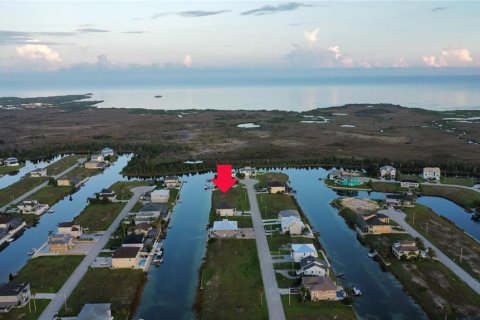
197 35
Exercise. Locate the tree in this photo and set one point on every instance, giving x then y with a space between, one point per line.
420 244
11 277
431 253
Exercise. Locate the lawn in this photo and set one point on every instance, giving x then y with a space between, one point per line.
271 204
235 196
243 221
99 216
264 178
122 188
83 173
48 274
7 170
17 189
280 244
120 287
447 237
232 282
410 177
63 164
461 196
51 194
386 187
36 308
320 310
461 181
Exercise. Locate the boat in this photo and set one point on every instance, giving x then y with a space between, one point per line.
158 96
51 211
206 187
157 262
341 275
10 239
372 254
356 291
32 252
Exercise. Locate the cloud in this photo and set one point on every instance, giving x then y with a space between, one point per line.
315 57
103 62
134 32
437 9
400 63
92 30
311 36
198 13
38 52
450 57
187 61
271 9
12 37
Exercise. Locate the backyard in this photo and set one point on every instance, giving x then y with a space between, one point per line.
264 178
51 194
122 188
271 204
319 310
99 216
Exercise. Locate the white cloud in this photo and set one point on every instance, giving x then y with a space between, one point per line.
187 61
400 63
319 57
450 57
311 37
38 52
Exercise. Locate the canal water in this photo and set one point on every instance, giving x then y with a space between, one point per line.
171 288
9 179
14 256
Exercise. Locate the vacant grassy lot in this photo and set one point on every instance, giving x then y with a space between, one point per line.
410 177
461 196
232 282
321 310
243 221
447 237
120 287
51 194
47 274
122 188
280 244
97 217
467 182
264 178
235 196
17 189
24 313
7 170
386 187
63 164
271 204
83 173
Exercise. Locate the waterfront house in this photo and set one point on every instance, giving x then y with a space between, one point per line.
248 172
97 157
107 194
32 207
107 152
95 311
66 181
388 172
14 295
431 173
60 243
160 196
288 213
225 209
172 182
151 211
374 224
70 228
409 184
225 228
405 248
134 240
277 187
95 164
320 288
39 172
400 200
311 266
302 250
126 257
11 162
292 225
140 229
5 222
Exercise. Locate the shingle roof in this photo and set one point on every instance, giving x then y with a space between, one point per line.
224 205
126 252
303 248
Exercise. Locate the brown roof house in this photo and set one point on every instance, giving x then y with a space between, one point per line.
126 257
276 187
70 228
320 288
140 229
225 209
374 223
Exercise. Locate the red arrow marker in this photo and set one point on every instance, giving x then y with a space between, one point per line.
224 180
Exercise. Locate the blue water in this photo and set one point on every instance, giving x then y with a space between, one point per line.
14 256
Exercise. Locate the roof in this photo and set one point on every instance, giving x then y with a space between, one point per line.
171 178
224 205
409 180
308 262
107 191
12 288
225 224
318 283
5 219
373 221
142 226
161 207
289 213
276 184
107 149
288 221
304 248
39 170
59 239
95 311
161 193
387 168
395 196
66 224
126 252
133 238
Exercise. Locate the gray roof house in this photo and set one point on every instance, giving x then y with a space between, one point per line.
14 294
95 311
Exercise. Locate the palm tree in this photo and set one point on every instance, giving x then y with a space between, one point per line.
260 289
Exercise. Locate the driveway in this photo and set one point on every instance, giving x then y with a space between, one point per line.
57 302
274 302
399 217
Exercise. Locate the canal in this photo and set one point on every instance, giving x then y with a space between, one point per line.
14 256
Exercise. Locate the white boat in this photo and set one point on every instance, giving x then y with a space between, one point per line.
32 252
10 239
372 254
356 291
51 211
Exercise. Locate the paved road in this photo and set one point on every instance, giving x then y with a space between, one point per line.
274 302
57 303
40 186
399 217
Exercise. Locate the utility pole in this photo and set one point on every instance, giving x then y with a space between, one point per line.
289 296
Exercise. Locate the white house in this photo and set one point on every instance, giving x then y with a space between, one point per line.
225 228
95 311
32 207
107 194
300 251
224 209
160 196
248 172
311 266
97 157
431 173
39 172
292 225
405 248
106 152
11 162
409 184
172 182
388 172
14 295
70 228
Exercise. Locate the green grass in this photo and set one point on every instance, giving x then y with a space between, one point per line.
264 178
138 205
235 196
447 237
63 164
97 217
319 310
461 196
232 281
285 283
271 204
83 173
410 177
348 214
51 194
7 170
48 274
280 244
172 197
24 313
17 189
386 187
122 188
120 287
243 221
467 182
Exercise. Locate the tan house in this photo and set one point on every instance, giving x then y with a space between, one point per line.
431 173
320 288
160 196
172 182
374 224
388 172
60 243
140 229
292 225
224 209
70 228
405 248
276 187
94 164
39 172
409 184
126 257
67 181
225 228
14 295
